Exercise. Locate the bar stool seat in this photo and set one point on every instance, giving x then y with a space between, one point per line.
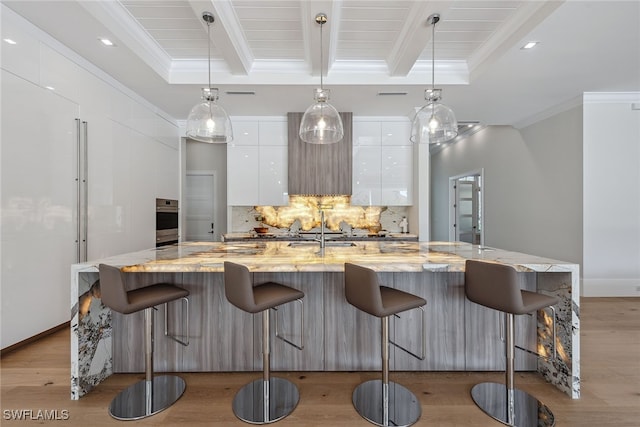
495 286
154 393
381 402
269 399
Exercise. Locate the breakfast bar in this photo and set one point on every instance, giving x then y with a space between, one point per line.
461 335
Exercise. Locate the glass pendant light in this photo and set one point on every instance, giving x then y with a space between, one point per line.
434 122
208 121
321 123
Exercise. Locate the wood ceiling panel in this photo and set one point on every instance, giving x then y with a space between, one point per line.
268 13
290 54
178 34
373 36
152 3
171 24
479 14
375 13
273 35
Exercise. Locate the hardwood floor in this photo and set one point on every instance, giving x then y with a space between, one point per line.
36 377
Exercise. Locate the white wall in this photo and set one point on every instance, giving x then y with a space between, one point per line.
611 195
532 188
133 158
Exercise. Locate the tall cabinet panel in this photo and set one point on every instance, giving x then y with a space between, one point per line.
38 207
83 119
257 163
382 162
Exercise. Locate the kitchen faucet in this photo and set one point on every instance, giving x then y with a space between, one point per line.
321 208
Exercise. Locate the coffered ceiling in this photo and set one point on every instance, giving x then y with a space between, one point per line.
272 48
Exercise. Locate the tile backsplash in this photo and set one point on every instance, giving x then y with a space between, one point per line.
305 209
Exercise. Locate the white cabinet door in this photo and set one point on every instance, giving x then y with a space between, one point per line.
273 176
274 132
395 133
245 133
243 175
366 132
396 175
366 176
38 199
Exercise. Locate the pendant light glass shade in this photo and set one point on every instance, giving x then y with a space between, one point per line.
208 121
434 123
321 123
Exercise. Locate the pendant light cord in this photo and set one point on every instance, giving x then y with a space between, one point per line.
433 54
209 52
321 56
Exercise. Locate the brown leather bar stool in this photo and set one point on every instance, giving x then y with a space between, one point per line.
269 399
495 286
154 393
381 402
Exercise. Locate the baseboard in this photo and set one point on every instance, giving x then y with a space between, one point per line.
34 338
611 287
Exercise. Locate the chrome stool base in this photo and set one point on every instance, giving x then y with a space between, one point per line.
527 411
403 406
146 398
252 406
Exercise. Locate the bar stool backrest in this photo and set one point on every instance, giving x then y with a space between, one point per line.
238 287
493 285
362 289
112 289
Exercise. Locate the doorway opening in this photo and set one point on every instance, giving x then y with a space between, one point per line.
466 213
200 206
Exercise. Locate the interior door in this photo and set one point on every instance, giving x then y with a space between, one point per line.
200 207
467 209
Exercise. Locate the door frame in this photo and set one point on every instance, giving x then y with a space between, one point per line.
452 201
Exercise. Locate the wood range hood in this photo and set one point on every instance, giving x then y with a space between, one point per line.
316 169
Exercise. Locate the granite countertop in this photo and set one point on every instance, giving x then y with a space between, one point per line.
329 236
280 256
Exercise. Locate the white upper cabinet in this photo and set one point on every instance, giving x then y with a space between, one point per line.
245 133
395 133
273 176
243 175
366 132
274 132
257 162
382 162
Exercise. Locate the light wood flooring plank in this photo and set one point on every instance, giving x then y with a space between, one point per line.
37 377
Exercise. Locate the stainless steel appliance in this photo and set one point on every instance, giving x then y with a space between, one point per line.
166 222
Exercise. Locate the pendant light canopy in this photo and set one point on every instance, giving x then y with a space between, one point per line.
321 123
208 121
434 122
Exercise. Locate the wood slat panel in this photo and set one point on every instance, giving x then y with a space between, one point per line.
319 169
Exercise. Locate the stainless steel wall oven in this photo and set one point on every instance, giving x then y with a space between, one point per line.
166 222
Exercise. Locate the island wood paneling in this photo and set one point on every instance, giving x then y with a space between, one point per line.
484 348
285 357
444 315
338 337
319 168
352 337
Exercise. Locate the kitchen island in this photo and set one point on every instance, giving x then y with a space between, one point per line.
337 337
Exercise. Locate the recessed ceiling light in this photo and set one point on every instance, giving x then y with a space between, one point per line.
529 45
10 41
106 42
50 87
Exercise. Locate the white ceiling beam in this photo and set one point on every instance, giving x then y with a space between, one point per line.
226 33
311 33
120 22
414 36
526 18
